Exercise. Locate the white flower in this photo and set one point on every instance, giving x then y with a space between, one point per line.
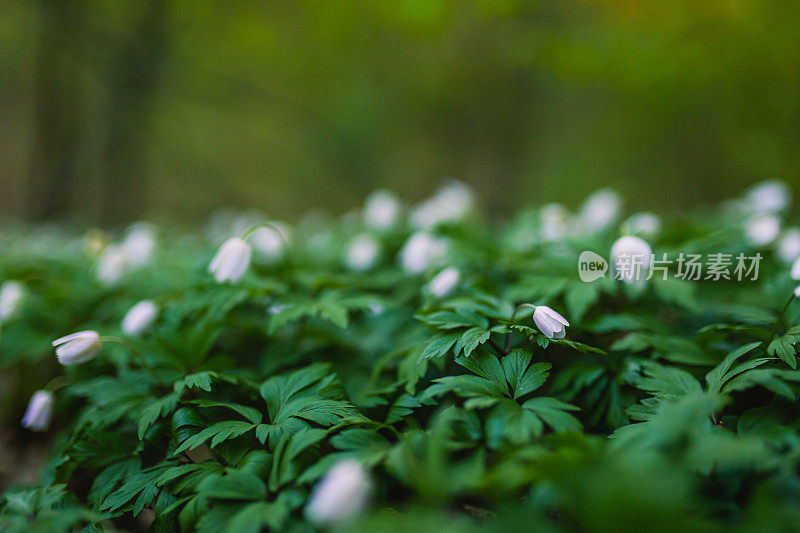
112 264
789 245
11 294
39 412
139 244
797 292
444 282
600 210
77 348
631 257
421 251
555 222
270 242
382 210
341 495
760 230
769 196
231 261
644 223
552 324
139 318
794 273
362 253
449 204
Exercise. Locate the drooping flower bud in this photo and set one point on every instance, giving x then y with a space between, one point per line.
11 294
231 261
270 241
139 318
362 253
77 348
444 282
381 210
549 322
341 495
39 412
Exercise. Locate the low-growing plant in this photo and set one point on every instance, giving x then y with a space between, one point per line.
432 372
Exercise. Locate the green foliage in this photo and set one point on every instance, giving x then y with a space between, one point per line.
673 403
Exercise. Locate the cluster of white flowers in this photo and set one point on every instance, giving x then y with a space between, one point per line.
450 204
135 250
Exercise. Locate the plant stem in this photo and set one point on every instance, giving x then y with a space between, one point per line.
785 307
136 354
511 322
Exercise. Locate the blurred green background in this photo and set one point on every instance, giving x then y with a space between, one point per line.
115 110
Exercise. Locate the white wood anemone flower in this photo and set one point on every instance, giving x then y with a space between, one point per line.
631 257
139 318
382 210
550 322
11 295
444 282
421 251
362 253
341 495
77 348
762 229
39 412
231 260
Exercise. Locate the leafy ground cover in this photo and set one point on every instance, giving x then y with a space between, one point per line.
380 372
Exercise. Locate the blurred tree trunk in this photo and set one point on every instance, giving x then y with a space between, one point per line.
69 177
135 72
58 113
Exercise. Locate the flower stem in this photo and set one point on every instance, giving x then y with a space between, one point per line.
136 354
511 322
56 383
777 321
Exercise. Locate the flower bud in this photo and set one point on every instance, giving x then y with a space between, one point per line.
11 294
444 282
789 245
362 253
341 495
644 223
552 324
450 204
231 261
600 210
139 318
382 210
762 229
270 242
421 251
139 244
631 257
77 348
39 412
112 264
769 196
